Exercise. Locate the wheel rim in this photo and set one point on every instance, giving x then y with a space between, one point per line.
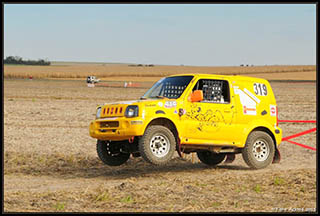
110 150
159 145
260 150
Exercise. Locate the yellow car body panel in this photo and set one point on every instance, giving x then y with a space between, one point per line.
251 105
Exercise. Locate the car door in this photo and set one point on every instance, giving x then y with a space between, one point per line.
210 120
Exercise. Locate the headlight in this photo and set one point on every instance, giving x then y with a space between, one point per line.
98 112
132 111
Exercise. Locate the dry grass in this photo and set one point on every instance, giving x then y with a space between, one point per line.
258 194
107 71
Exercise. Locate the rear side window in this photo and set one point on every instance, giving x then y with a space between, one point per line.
214 91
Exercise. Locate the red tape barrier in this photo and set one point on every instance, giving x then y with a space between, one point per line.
304 146
298 121
299 134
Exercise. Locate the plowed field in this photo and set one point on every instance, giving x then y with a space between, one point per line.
51 165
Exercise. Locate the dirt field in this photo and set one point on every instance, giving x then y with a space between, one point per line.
116 71
51 165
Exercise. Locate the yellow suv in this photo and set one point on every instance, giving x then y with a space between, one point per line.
213 115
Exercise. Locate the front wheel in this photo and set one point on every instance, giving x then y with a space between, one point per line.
157 145
210 158
110 153
259 150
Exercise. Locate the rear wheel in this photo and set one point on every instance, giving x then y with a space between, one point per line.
157 145
110 153
210 158
259 150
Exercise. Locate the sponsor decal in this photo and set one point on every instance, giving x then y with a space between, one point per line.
273 111
160 104
249 110
170 104
136 122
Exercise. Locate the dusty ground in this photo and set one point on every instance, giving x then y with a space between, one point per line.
50 161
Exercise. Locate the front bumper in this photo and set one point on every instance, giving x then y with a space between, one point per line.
120 128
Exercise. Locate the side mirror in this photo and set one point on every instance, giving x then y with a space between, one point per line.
196 96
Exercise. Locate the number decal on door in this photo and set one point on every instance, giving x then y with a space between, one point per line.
260 89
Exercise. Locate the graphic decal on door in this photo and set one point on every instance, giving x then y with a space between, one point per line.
209 118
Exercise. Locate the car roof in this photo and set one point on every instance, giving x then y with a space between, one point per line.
229 77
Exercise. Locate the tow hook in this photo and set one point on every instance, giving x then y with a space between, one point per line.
131 140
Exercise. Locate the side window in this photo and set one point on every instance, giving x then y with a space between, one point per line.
214 91
157 90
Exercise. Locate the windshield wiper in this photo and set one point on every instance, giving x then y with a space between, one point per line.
157 96
162 97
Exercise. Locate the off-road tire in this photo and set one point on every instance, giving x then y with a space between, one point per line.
109 159
210 158
268 150
165 137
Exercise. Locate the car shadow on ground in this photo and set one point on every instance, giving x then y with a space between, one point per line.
91 167
137 167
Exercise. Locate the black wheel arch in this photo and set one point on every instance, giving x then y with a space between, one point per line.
266 130
166 123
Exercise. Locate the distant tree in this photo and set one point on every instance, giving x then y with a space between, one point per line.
19 60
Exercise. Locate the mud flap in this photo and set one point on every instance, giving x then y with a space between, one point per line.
230 158
277 156
178 147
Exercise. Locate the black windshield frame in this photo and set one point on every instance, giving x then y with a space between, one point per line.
169 87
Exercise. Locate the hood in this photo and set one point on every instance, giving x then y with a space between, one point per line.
117 109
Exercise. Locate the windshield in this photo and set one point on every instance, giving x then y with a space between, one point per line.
169 87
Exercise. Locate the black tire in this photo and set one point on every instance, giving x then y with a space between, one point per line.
109 153
259 150
157 145
210 158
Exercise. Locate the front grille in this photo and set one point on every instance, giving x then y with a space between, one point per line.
109 124
112 110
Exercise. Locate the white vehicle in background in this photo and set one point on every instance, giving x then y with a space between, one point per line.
92 79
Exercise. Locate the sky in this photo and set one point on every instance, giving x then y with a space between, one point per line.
167 34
